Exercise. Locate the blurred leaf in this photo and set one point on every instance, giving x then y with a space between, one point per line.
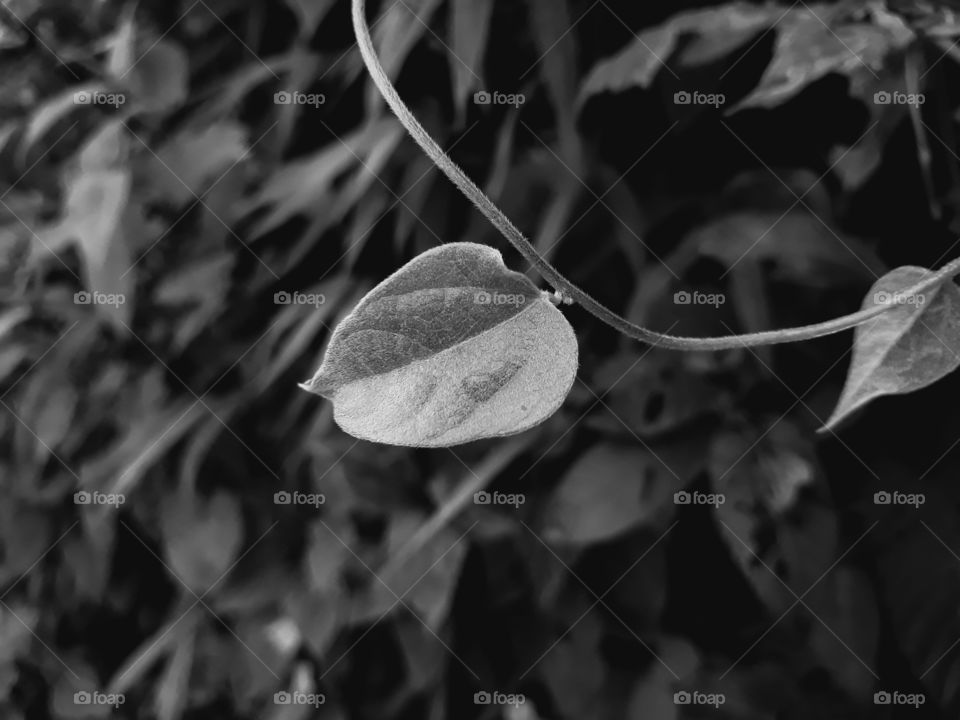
455 347
318 617
609 490
310 14
775 538
122 52
716 32
95 214
469 22
158 80
325 559
652 696
799 243
53 109
201 537
905 349
573 669
183 166
396 32
304 186
813 42
647 393
550 23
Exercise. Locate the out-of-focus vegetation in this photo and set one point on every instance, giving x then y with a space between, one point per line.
193 193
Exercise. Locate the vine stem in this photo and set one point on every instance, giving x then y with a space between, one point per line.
558 281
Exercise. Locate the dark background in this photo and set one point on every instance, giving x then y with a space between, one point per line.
200 198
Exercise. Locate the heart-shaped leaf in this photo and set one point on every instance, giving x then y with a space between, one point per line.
452 347
906 348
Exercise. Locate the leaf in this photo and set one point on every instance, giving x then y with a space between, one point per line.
810 44
395 34
608 491
201 538
310 14
306 185
425 582
550 23
469 25
905 349
158 79
184 166
452 347
96 214
717 31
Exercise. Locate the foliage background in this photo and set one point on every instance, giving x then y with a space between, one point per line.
200 197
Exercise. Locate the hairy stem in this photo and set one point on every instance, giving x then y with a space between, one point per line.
558 281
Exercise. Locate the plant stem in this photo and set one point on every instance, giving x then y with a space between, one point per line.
558 281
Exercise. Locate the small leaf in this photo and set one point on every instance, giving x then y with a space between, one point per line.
452 347
905 349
